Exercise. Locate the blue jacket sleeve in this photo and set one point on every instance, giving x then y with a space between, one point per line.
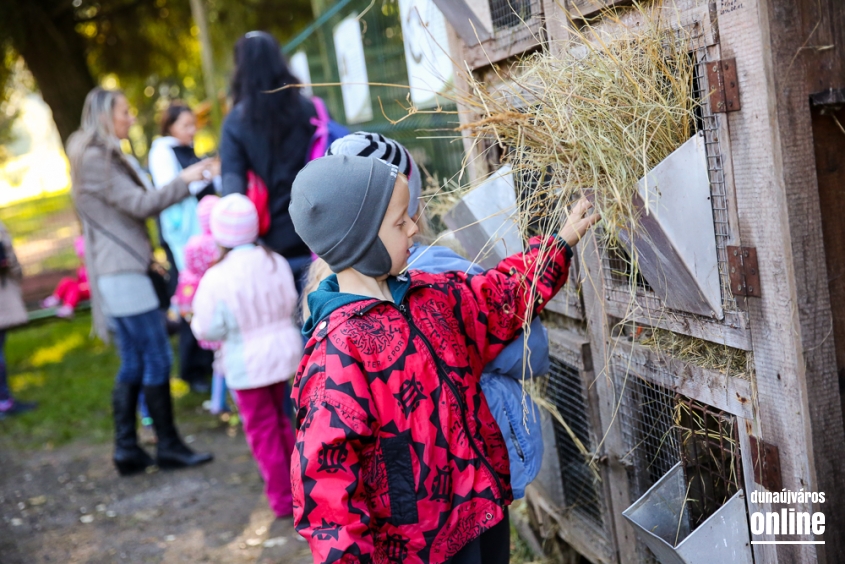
509 361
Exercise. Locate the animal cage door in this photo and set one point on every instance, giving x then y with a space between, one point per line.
675 241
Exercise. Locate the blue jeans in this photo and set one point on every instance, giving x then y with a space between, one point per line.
145 354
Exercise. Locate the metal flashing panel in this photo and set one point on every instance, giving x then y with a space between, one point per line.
484 221
660 518
677 217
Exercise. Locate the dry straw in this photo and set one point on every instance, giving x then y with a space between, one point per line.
729 361
592 114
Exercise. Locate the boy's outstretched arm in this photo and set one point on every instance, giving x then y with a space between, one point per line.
330 502
522 284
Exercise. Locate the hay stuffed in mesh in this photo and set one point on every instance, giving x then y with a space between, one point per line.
592 114
727 360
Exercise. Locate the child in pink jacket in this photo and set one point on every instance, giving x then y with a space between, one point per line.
70 291
248 301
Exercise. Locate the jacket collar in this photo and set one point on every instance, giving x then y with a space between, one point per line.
328 298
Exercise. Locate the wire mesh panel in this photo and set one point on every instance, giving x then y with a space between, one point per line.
617 271
429 136
580 484
710 457
509 13
646 415
662 428
514 21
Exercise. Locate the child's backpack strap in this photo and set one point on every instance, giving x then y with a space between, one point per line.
327 130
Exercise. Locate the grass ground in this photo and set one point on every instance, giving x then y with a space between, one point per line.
29 217
42 232
70 375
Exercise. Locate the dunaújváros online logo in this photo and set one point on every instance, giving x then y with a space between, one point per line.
787 521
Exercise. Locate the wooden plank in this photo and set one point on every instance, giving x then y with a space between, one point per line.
732 332
567 302
557 22
762 552
582 535
616 484
464 21
475 167
583 8
779 214
829 144
733 395
500 48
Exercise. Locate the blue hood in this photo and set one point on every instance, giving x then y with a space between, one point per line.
328 297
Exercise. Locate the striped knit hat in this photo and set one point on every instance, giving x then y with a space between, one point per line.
363 144
234 221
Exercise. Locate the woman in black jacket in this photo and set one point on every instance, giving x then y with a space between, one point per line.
269 134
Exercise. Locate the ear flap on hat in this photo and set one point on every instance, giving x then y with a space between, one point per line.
375 262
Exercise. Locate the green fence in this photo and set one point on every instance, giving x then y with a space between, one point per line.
430 137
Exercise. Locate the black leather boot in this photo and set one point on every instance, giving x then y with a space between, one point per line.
172 452
129 458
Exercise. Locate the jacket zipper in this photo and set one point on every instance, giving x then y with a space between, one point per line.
445 377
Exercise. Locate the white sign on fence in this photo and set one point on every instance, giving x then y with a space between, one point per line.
426 50
299 68
352 66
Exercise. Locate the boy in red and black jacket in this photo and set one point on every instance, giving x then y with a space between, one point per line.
398 458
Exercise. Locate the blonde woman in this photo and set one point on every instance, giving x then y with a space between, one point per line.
113 205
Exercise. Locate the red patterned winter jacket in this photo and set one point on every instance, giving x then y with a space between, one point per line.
398 458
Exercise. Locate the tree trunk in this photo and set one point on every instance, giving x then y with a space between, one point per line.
55 54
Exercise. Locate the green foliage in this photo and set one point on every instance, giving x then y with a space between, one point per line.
10 81
30 217
150 48
68 374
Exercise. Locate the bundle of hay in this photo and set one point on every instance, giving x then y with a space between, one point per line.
729 361
592 114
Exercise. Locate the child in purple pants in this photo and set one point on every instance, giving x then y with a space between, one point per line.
248 301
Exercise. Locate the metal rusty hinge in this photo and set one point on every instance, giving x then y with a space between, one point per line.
765 459
743 272
724 86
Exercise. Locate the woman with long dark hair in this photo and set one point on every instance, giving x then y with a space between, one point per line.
267 133
113 204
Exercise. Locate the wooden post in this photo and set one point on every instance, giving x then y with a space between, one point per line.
616 485
198 13
778 207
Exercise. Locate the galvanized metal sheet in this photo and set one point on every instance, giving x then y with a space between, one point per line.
660 520
484 221
676 194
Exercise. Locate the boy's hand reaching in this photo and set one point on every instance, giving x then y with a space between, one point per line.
578 221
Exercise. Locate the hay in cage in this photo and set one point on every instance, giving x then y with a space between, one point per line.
591 115
729 361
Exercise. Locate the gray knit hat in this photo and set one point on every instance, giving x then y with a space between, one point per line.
337 205
363 144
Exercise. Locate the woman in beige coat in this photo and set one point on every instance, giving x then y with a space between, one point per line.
113 205
12 313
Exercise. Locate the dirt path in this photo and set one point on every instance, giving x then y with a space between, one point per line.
69 505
